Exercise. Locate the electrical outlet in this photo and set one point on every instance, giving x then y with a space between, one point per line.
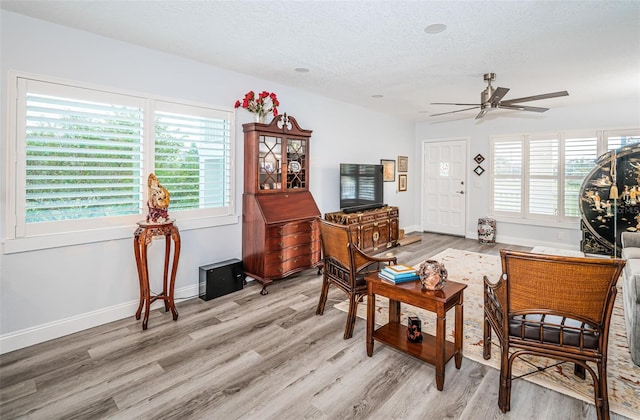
560 235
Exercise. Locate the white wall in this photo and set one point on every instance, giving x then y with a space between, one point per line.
620 114
52 292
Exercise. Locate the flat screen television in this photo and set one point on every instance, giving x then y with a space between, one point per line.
361 187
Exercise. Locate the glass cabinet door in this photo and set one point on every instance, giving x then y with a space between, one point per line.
269 163
296 163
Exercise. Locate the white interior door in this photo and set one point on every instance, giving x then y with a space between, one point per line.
444 187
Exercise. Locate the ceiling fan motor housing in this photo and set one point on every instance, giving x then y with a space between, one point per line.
489 77
485 95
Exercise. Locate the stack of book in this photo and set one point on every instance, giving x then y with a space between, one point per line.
398 273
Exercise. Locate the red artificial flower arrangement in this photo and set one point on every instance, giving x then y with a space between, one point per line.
264 103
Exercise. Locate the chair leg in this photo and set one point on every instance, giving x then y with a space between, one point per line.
504 393
351 316
323 296
601 393
486 343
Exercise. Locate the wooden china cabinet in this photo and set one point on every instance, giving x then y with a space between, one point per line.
280 235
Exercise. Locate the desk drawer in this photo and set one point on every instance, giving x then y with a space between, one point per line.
281 255
280 268
290 229
274 244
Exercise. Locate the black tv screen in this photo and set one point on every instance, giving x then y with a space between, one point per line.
361 186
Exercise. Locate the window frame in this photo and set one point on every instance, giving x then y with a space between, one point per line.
72 232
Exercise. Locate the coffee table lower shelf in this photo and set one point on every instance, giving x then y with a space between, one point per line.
394 334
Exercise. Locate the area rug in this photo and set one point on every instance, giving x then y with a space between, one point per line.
469 268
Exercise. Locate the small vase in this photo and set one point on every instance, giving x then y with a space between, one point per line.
433 275
260 118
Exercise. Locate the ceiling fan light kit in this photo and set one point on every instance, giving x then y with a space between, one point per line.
491 98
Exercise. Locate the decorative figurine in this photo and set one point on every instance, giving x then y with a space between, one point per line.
158 201
414 329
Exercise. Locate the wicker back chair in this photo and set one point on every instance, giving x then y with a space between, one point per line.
556 307
345 266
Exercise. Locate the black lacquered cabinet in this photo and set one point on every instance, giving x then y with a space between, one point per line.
603 215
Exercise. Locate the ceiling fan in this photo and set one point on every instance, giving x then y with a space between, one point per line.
491 98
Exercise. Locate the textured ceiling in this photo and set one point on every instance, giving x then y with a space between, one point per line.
357 49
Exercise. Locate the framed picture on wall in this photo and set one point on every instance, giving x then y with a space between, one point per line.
403 164
402 182
388 170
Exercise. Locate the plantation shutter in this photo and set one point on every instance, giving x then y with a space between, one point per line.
543 177
618 138
83 156
580 154
193 156
507 176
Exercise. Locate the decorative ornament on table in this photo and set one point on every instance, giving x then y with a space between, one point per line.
414 329
262 104
433 275
157 201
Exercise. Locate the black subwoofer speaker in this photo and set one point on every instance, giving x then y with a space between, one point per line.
221 278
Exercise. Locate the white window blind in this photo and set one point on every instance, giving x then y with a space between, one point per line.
543 177
580 153
620 138
507 176
538 176
193 159
82 156
83 159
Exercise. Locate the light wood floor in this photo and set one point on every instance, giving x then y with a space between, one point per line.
247 356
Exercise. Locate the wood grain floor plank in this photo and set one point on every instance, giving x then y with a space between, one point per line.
249 356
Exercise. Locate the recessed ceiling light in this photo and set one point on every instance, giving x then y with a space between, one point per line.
377 96
301 70
435 28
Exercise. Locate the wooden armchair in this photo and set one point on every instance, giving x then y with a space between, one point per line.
556 307
345 266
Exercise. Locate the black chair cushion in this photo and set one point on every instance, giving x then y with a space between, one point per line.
371 268
554 327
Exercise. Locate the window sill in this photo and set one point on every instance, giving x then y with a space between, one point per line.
35 243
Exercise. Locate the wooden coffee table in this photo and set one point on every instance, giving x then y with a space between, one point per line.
436 350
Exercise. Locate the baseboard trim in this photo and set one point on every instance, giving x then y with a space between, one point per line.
412 228
513 240
56 329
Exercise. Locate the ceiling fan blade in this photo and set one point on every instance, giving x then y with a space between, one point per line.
450 103
482 113
523 108
451 112
497 96
536 97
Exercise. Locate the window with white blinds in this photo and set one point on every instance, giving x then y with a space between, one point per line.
616 139
82 157
193 157
507 158
580 153
538 176
543 165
